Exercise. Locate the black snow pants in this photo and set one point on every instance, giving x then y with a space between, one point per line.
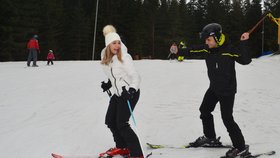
117 118
226 106
50 61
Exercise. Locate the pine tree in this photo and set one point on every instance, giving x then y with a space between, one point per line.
253 15
76 33
148 27
139 31
52 28
7 14
215 11
194 22
128 17
24 24
174 17
150 10
201 13
271 29
187 23
162 31
236 19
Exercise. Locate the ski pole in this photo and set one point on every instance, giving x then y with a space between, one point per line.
134 121
168 55
109 93
258 23
129 107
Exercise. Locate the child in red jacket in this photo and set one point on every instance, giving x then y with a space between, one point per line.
50 57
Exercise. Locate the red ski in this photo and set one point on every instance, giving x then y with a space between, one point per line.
61 156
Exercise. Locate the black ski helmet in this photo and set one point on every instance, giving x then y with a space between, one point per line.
212 29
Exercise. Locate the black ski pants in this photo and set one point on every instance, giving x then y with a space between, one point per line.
226 106
50 61
117 120
172 56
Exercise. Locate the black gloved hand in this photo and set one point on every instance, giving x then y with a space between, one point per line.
106 86
128 95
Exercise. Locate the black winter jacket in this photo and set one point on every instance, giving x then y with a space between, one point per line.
221 64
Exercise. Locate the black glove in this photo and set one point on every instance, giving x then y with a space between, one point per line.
106 86
128 95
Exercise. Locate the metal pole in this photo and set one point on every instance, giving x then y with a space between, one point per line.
94 34
263 37
278 19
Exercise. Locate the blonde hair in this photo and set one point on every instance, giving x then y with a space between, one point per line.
108 55
108 29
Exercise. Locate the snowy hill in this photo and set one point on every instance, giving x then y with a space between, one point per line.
61 108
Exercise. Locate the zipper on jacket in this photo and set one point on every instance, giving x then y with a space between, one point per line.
126 82
115 81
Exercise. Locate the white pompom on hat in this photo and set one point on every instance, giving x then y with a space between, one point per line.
108 28
110 37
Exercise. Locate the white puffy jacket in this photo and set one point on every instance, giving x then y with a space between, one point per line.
121 74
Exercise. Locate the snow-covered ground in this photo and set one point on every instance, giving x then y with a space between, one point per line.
61 108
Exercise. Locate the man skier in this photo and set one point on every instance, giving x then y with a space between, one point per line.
220 57
33 50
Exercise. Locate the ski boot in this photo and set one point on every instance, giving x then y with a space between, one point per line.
234 152
115 151
206 142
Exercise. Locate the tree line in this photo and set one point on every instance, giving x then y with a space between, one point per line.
147 27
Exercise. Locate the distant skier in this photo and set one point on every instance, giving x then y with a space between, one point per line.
33 50
181 50
173 51
220 57
124 82
50 57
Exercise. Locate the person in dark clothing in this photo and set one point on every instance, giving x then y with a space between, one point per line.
220 57
124 82
33 50
182 48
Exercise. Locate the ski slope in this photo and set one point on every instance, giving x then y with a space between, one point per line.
61 108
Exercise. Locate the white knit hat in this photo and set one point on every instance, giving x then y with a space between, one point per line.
110 37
